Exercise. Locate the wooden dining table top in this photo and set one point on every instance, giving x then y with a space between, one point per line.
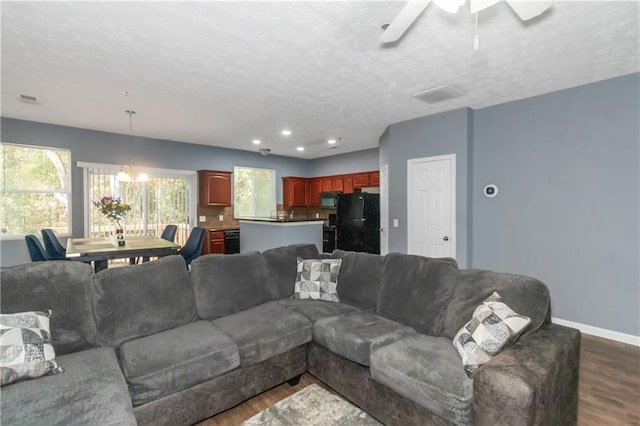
108 246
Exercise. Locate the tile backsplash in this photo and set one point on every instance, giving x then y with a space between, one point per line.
212 214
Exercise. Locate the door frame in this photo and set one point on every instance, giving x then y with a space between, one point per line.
410 184
384 208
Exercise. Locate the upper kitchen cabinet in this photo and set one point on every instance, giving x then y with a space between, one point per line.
374 178
337 184
327 184
315 188
361 180
294 192
214 188
347 183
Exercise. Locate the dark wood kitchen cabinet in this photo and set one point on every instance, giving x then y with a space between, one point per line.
214 244
315 188
327 184
294 192
347 183
337 183
214 188
361 180
374 178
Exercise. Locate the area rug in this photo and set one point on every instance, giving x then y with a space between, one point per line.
312 406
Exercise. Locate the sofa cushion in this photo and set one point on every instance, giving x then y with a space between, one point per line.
527 296
265 331
317 309
492 327
416 290
224 285
139 300
360 278
176 359
356 336
317 279
281 264
63 287
25 347
426 370
91 391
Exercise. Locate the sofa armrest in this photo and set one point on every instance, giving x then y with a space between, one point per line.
535 382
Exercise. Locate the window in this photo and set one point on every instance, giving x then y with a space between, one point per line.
36 189
254 192
165 199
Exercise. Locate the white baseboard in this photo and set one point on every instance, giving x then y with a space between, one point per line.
600 332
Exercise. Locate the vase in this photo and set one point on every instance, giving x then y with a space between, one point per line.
120 236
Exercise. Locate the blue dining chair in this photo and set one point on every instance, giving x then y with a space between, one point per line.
169 233
193 247
52 245
36 251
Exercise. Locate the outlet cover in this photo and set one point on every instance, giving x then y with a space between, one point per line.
221 218
202 219
395 223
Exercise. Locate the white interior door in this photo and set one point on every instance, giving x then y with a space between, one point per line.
431 206
384 209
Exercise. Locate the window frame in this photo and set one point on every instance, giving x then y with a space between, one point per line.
68 190
274 189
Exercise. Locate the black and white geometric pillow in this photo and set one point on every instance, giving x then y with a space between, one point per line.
317 279
25 347
492 327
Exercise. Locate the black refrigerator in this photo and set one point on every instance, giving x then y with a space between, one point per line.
358 222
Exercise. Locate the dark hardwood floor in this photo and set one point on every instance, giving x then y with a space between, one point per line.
609 388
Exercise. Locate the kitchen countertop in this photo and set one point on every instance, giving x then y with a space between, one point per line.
284 220
225 228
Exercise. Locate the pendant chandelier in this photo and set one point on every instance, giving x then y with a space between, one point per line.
126 173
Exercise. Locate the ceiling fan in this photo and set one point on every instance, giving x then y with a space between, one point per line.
525 9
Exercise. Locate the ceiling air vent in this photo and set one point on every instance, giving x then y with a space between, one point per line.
438 94
28 98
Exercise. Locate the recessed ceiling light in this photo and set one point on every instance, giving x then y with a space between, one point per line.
286 132
256 141
331 141
300 148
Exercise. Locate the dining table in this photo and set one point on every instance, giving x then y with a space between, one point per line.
100 250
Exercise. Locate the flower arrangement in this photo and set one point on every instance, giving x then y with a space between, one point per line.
112 208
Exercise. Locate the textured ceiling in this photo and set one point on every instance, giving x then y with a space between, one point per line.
223 73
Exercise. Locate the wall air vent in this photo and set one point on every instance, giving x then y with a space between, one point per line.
438 94
28 98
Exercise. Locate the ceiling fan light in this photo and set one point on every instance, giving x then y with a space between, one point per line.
450 6
478 5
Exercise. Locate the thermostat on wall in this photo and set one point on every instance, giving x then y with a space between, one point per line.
491 190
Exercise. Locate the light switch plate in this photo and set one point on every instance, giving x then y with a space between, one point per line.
221 218
395 223
202 218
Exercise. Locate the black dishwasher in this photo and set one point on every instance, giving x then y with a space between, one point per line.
232 241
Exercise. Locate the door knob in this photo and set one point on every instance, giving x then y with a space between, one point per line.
445 238
380 229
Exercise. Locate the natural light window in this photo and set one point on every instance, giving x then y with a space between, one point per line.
36 190
254 192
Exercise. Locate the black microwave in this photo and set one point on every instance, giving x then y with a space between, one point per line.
329 200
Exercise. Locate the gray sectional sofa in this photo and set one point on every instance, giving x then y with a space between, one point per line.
156 344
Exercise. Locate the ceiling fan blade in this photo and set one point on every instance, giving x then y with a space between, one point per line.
529 9
478 5
403 21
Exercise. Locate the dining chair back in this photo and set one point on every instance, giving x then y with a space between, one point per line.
55 250
193 247
36 251
169 233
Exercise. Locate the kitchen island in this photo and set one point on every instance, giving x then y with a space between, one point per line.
264 233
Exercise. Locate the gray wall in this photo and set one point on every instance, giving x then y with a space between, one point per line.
567 165
446 133
358 161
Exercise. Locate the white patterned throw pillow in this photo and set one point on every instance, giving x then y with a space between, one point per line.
25 347
317 279
492 327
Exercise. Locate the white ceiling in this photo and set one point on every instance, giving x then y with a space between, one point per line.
223 73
